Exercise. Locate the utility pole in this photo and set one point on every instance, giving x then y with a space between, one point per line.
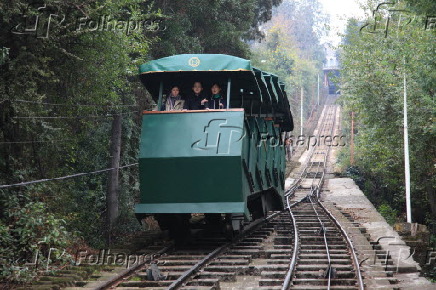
301 111
318 89
113 184
352 140
406 151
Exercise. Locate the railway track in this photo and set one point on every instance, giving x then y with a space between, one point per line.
325 257
301 248
258 259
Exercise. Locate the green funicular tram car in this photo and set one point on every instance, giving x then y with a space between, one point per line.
228 164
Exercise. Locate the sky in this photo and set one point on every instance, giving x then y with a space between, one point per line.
339 11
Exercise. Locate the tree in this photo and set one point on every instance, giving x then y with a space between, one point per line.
292 50
211 26
61 84
372 86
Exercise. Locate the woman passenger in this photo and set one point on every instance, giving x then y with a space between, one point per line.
174 101
197 100
216 101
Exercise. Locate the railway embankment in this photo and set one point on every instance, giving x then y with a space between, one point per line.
385 257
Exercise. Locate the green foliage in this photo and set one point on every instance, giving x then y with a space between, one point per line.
59 93
388 213
28 231
374 66
211 26
82 77
427 7
433 241
292 50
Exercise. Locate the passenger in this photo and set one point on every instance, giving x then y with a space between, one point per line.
197 100
174 101
216 101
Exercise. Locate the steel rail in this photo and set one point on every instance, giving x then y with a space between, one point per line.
315 193
350 244
288 277
188 273
115 280
289 193
324 231
347 238
309 164
314 189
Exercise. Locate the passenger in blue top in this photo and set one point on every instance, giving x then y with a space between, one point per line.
216 101
197 100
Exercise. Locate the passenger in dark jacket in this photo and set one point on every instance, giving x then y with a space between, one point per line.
216 101
197 100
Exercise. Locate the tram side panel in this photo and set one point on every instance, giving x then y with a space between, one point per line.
191 163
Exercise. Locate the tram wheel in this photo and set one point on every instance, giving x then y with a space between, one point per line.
178 227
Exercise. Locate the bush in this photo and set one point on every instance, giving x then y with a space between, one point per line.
27 233
388 213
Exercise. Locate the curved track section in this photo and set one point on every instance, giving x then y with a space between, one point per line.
324 256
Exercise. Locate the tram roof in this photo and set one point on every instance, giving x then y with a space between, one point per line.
196 62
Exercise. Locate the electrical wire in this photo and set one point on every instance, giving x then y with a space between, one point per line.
65 177
36 141
69 105
72 117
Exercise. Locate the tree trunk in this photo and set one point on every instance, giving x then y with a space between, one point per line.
112 185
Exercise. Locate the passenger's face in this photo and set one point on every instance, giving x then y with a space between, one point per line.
175 91
197 88
215 89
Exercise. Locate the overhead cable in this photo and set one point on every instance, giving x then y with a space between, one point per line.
69 105
72 117
65 177
36 141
